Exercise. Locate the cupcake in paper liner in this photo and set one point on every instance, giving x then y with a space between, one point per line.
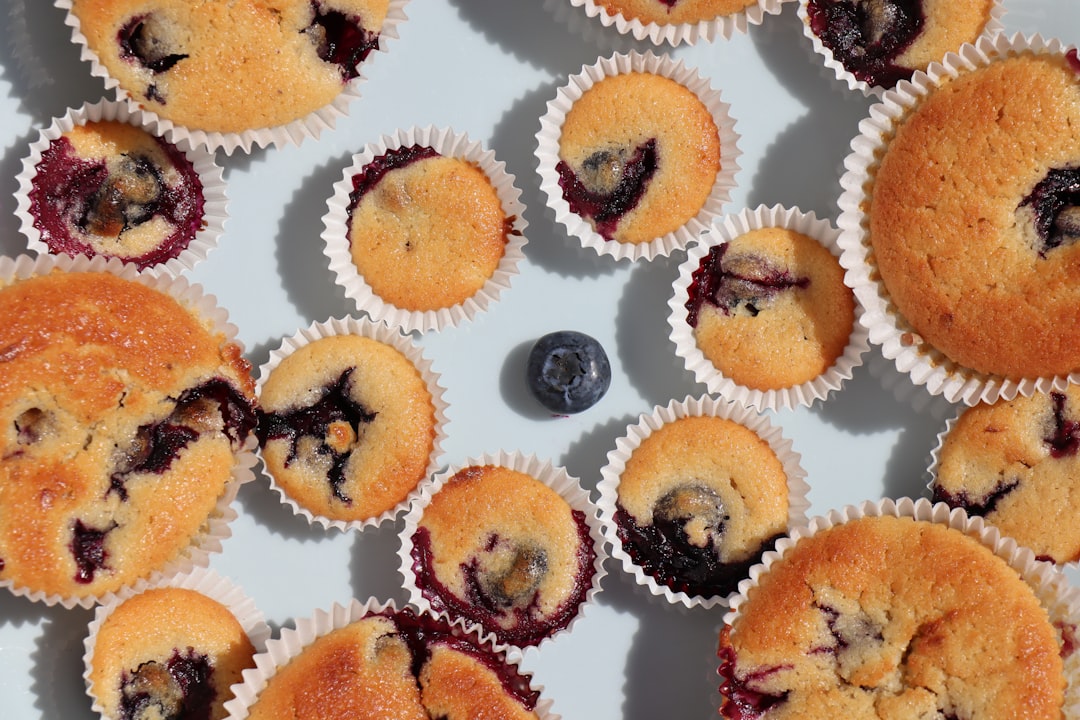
872 45
637 155
694 493
425 229
177 646
680 21
507 542
906 608
215 73
1015 463
351 422
761 313
957 226
373 660
98 182
129 408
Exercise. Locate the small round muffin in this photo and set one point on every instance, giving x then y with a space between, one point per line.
170 653
395 666
769 309
1015 463
110 188
499 548
881 42
698 501
891 617
638 155
225 65
972 217
670 12
123 410
346 426
426 231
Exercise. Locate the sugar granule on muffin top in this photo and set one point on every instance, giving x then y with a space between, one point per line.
225 65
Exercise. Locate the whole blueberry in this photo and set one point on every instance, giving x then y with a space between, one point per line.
568 371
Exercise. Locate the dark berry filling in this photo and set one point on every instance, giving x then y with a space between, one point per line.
213 405
1064 439
511 592
866 36
370 175
88 548
610 184
179 689
145 39
72 196
33 425
746 282
740 701
340 40
976 506
849 630
664 550
1055 202
1073 60
322 421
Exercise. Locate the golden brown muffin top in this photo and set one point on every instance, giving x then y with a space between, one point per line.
672 13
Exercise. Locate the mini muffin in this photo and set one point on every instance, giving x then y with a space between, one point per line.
1015 463
698 501
224 66
500 548
347 425
168 652
669 12
396 665
881 42
110 188
891 617
124 408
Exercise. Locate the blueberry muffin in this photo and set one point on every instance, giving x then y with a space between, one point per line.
671 12
769 309
972 217
425 231
396 666
498 547
225 65
638 156
697 503
169 653
1015 463
881 42
123 412
346 426
891 617
112 189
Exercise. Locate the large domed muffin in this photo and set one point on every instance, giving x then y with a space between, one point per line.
971 216
668 12
395 666
110 188
891 617
124 410
347 426
498 547
168 652
225 66
1015 463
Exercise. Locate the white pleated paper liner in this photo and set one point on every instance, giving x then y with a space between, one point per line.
682 335
547 153
216 527
204 581
292 133
447 143
568 487
414 354
924 364
1052 588
993 26
675 34
293 641
215 201
647 424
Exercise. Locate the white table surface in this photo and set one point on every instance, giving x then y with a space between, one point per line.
487 68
